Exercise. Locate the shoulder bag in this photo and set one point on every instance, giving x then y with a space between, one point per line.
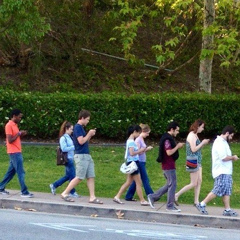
62 157
192 164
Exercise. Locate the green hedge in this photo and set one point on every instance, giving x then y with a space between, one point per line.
113 113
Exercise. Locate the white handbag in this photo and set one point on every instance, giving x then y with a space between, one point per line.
128 169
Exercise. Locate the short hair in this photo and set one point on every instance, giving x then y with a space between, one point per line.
172 125
84 114
229 129
195 125
15 112
133 128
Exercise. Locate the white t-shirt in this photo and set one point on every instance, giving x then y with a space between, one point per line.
221 150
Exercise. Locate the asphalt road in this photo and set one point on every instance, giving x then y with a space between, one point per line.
22 225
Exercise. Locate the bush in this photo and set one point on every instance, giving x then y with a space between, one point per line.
113 113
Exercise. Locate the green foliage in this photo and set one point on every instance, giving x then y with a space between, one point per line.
163 32
175 15
180 19
113 113
128 30
21 20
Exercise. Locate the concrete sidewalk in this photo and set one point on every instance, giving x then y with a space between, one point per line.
46 202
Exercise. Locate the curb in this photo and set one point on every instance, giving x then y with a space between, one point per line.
124 214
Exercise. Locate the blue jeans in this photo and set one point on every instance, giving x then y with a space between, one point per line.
145 181
169 188
15 166
69 175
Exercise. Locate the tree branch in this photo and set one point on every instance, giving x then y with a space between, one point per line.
186 63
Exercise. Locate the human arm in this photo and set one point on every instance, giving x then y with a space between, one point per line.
222 152
231 158
81 139
171 151
192 139
141 144
148 148
133 153
64 146
12 138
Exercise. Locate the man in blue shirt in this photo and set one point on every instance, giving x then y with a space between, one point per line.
83 160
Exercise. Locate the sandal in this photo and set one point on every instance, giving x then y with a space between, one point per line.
67 198
117 200
145 203
96 201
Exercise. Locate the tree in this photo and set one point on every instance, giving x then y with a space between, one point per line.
182 24
205 70
20 25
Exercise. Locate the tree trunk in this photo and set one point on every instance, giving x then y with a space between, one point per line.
205 70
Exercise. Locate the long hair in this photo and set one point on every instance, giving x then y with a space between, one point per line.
194 127
65 126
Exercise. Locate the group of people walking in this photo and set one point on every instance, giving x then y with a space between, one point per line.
74 140
168 154
221 167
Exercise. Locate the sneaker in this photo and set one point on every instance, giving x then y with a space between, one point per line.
27 195
173 209
4 192
151 201
74 195
131 199
53 189
201 209
197 206
229 213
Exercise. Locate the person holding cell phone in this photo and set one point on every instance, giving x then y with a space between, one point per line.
82 158
142 164
193 149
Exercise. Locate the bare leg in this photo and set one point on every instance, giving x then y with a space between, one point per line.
91 188
226 201
138 182
192 184
124 187
71 185
197 188
209 197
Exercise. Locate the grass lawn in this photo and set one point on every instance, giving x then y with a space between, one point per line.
41 170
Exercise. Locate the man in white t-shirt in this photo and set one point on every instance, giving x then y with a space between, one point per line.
222 171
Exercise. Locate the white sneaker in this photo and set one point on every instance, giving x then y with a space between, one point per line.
74 195
53 189
173 209
4 192
151 201
229 213
28 195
